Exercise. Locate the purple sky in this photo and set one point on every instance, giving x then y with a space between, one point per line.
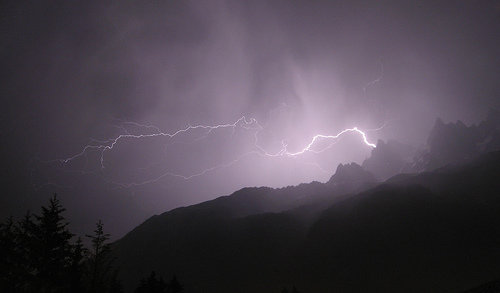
73 72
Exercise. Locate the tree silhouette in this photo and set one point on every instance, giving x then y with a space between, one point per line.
76 269
152 285
23 270
37 255
52 250
174 286
101 276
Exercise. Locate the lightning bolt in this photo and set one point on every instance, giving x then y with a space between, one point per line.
107 145
251 124
321 136
377 80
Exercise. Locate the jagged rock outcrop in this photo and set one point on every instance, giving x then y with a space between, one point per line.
457 142
389 159
351 177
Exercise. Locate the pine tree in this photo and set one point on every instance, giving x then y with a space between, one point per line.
152 285
100 273
76 268
25 270
174 286
17 271
50 251
36 255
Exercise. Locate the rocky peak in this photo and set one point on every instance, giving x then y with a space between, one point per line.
351 174
388 159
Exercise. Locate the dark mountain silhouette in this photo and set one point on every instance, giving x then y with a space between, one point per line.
351 177
389 159
435 231
432 232
489 131
455 142
448 143
452 142
234 230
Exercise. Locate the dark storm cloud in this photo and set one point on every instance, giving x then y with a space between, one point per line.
71 69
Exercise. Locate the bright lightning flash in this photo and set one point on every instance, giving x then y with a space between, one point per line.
103 146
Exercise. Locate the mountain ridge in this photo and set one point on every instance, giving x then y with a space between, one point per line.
346 234
276 243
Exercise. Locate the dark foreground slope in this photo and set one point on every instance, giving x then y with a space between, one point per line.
432 232
244 238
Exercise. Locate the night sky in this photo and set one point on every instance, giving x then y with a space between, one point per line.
78 74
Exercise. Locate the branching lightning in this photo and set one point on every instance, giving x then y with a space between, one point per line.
106 145
251 124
